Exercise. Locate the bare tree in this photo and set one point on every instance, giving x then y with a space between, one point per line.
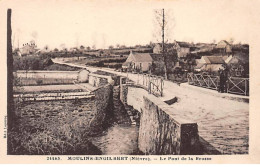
231 41
163 24
34 35
62 46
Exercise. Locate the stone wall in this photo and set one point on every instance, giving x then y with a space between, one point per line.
98 80
120 114
103 109
161 132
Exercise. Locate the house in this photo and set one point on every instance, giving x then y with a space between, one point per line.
224 46
183 48
210 63
138 62
157 49
29 49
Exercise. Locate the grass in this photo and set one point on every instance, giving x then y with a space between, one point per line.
64 134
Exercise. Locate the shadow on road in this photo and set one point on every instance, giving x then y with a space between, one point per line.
207 148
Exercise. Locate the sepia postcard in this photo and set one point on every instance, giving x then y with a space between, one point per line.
131 81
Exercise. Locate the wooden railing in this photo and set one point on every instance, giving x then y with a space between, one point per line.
238 85
235 85
203 80
152 83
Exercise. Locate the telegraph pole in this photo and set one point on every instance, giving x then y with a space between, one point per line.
163 49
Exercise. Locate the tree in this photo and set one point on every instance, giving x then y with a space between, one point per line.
162 27
122 47
82 47
231 41
111 47
62 46
88 48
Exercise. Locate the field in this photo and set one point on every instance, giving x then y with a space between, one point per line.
110 62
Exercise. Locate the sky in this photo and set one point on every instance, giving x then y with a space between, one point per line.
102 23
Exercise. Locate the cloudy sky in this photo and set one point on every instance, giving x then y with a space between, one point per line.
90 22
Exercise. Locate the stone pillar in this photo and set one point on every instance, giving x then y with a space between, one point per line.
123 90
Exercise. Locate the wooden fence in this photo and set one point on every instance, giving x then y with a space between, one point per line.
235 85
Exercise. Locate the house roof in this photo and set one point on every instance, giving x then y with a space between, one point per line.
165 44
184 44
222 44
156 56
142 57
212 67
126 64
214 59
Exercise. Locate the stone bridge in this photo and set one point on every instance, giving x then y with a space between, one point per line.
220 122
